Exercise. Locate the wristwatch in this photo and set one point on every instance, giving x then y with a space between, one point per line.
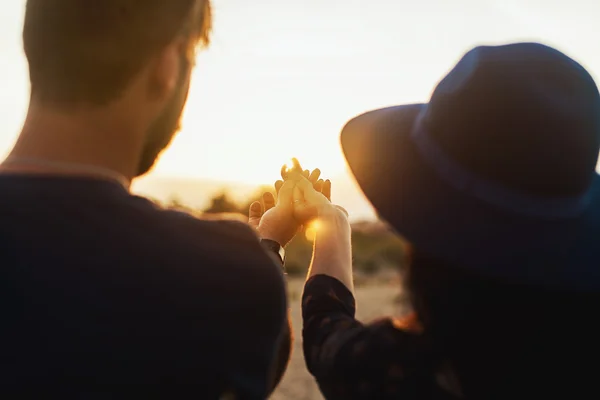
274 247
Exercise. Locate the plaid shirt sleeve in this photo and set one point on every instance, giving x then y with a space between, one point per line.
351 360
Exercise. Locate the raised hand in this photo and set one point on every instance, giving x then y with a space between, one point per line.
259 210
320 185
310 203
277 222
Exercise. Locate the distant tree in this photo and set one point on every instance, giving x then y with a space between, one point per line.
176 203
222 203
155 201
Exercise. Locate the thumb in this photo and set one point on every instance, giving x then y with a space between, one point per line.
298 196
309 193
286 193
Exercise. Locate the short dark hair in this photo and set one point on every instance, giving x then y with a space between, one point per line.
82 51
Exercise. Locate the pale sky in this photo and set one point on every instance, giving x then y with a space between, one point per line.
289 73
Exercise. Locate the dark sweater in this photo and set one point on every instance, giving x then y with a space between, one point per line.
101 288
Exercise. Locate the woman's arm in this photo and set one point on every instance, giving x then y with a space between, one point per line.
350 360
332 252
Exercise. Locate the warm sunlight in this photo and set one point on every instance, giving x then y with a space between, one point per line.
289 165
312 229
185 200
280 79
292 165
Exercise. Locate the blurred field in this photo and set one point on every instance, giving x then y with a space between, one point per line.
376 297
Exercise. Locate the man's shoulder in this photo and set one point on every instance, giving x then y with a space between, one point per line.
222 253
212 230
228 240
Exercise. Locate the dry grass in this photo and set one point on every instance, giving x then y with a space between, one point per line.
374 299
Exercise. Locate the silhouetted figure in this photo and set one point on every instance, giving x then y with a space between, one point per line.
493 183
103 292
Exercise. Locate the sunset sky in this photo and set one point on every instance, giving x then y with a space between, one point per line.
287 74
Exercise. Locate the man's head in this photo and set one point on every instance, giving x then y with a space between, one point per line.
91 54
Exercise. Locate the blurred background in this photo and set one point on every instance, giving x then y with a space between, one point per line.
280 80
283 76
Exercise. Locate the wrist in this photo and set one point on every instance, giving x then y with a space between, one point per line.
266 234
334 217
272 236
275 248
334 236
332 251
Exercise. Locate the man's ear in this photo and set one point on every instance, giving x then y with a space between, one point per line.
165 71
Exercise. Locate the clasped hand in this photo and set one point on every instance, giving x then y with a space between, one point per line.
301 197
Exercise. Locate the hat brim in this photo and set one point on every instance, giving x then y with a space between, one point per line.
462 230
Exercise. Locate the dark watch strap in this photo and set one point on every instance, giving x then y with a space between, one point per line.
274 247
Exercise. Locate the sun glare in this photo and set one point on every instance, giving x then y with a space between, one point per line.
287 168
291 165
312 229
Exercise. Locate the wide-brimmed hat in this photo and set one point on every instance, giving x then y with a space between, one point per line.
496 173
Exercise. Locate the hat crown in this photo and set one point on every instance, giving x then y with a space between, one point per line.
523 115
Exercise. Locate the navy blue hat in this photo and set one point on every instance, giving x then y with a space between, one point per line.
497 172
